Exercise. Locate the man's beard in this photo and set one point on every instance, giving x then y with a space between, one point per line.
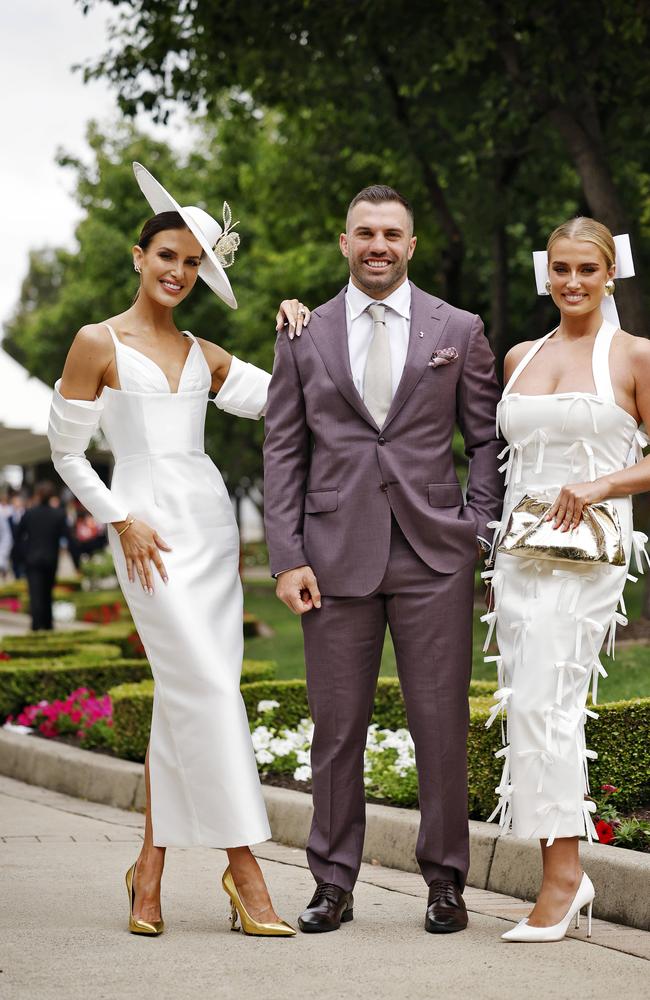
382 282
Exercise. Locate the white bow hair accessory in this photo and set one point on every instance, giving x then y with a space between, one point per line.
624 269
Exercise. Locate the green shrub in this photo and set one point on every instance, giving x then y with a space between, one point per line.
621 738
86 599
26 682
620 735
40 646
68 583
123 633
132 705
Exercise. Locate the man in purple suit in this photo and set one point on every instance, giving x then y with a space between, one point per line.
367 526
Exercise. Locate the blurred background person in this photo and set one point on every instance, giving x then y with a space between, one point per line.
42 528
6 543
18 507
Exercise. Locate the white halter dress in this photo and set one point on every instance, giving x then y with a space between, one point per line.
204 784
552 618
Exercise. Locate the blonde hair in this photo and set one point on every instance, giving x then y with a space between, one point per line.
588 230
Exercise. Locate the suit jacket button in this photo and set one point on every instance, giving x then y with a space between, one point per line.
382 440
383 487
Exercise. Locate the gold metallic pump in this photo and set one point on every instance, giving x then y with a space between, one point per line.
153 929
248 925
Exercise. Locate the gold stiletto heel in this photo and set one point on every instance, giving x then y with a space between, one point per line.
249 926
153 929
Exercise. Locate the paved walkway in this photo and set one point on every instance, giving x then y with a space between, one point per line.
64 908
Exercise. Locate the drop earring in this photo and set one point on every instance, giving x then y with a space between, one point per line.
547 286
136 268
609 287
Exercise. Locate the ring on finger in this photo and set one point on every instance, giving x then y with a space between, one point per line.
302 311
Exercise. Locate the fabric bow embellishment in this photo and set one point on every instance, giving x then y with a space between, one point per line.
443 357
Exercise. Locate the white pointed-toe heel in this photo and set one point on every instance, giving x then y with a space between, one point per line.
583 897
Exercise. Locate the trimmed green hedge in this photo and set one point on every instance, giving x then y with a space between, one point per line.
621 738
26 682
54 644
389 710
619 735
132 705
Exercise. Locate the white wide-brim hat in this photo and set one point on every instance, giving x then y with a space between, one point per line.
206 230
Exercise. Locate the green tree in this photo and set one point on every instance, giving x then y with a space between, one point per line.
469 102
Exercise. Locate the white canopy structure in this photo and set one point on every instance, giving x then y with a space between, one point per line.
24 410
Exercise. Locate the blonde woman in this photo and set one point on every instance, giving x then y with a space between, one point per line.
570 412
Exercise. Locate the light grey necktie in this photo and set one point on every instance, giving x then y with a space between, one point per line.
377 377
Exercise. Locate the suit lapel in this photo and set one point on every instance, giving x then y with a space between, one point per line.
330 337
428 320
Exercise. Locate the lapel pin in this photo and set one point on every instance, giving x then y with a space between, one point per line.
421 334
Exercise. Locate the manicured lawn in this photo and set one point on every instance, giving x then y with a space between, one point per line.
629 675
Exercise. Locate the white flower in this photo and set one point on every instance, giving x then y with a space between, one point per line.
302 773
261 737
303 756
267 706
264 757
64 611
281 747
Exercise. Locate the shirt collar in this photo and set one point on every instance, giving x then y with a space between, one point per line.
399 300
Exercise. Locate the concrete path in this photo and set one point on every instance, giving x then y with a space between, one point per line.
64 909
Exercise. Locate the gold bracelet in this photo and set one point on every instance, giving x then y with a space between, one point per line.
126 527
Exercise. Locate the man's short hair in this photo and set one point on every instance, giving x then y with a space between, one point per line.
377 193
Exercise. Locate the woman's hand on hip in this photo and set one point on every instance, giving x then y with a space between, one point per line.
141 545
571 501
294 315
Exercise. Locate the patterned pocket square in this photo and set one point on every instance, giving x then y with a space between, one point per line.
443 357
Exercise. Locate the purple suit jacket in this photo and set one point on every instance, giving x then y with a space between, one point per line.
332 477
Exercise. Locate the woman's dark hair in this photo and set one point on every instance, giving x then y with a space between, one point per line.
157 224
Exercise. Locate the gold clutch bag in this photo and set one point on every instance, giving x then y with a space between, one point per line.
597 539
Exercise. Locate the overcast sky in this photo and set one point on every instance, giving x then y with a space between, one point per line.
44 106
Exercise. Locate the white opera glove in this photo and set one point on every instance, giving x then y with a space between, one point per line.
245 390
71 426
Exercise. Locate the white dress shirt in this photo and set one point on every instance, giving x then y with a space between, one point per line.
359 322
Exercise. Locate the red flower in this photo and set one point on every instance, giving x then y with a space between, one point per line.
608 788
3 655
605 832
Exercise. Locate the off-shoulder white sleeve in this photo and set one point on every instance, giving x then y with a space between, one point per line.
71 426
245 390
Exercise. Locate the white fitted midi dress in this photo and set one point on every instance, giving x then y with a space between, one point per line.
552 618
205 788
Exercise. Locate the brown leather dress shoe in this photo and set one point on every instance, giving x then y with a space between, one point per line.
446 910
328 909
